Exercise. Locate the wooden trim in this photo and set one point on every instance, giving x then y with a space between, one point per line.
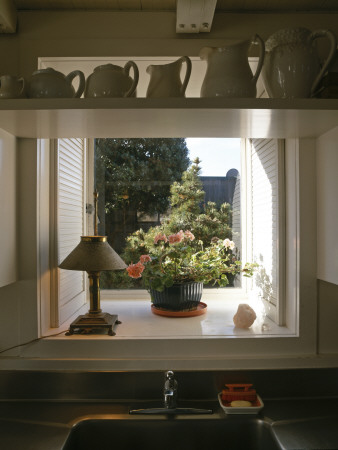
54 202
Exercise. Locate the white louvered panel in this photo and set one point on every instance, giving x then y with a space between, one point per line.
71 158
72 146
70 291
70 214
264 166
70 178
71 168
236 215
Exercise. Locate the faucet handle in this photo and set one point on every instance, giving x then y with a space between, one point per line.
169 375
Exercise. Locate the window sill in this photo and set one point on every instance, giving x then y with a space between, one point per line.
139 322
145 341
133 308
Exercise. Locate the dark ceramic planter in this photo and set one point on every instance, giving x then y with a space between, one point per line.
178 297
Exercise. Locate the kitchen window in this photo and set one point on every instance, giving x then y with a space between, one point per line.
258 211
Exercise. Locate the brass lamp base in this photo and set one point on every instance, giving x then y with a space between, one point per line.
92 322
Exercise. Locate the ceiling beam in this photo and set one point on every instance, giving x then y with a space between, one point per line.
8 16
194 16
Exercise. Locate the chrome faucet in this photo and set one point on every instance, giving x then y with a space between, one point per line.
170 401
170 390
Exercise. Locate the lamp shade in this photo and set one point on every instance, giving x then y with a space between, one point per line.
93 254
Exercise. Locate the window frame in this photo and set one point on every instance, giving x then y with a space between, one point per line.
297 293
298 349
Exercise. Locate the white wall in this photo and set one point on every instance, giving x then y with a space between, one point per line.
8 209
18 300
327 206
45 34
327 242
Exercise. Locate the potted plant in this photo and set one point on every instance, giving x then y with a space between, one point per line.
174 268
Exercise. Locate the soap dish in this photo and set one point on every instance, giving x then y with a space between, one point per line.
254 409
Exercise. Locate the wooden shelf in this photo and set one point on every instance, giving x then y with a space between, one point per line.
172 117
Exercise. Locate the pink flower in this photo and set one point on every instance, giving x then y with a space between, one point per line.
189 235
160 237
135 270
176 238
145 258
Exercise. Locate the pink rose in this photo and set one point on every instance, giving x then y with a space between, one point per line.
188 234
135 270
160 237
145 258
176 238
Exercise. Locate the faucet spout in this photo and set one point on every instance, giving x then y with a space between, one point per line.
170 401
170 390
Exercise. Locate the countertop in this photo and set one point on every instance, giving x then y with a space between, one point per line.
41 425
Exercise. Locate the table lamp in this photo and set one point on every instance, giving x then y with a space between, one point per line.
93 254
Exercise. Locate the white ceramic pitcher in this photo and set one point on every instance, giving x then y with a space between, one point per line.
12 86
228 71
292 68
165 80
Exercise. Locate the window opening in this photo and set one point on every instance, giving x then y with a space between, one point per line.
167 185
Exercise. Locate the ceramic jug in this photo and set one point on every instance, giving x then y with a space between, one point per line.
110 80
49 83
165 80
292 68
228 71
12 87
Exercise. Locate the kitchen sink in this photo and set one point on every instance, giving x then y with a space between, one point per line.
235 433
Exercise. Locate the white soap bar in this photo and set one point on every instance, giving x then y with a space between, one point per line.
240 403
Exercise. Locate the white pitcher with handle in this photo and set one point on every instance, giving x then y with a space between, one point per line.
12 86
292 67
165 80
228 71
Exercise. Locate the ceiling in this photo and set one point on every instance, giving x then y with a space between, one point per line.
170 5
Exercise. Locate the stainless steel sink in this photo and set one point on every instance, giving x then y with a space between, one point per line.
172 433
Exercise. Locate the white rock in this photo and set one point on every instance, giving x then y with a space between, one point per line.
245 316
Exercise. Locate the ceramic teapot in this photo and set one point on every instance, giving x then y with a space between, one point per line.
110 80
12 87
292 68
165 80
49 83
228 71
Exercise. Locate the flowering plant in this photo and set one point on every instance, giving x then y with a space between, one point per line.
179 258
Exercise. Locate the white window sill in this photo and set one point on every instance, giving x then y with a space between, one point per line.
138 321
145 341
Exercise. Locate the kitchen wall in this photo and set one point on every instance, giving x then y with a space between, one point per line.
18 300
327 243
8 219
58 34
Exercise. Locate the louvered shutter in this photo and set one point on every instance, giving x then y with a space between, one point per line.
267 206
69 188
236 214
